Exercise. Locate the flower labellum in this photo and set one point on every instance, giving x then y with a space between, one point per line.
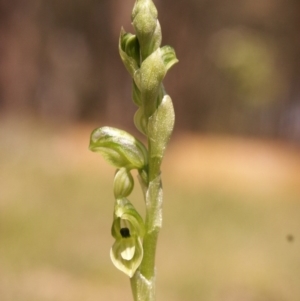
128 230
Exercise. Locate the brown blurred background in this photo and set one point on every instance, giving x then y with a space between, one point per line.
239 68
231 173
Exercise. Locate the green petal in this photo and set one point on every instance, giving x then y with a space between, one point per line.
119 148
120 250
129 50
115 228
124 211
168 56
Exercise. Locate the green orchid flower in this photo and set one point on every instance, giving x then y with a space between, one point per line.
119 148
128 230
129 50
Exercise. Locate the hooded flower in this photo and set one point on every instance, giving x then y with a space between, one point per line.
119 148
128 230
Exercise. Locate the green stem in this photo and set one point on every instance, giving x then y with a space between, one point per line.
143 282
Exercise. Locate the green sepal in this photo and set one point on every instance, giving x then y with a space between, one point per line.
127 251
168 56
160 127
148 79
119 148
129 50
123 183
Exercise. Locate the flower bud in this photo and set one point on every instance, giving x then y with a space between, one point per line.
142 6
146 25
129 50
123 183
119 148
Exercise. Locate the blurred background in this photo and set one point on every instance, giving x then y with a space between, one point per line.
231 173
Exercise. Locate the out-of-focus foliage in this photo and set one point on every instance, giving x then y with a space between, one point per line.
239 65
248 63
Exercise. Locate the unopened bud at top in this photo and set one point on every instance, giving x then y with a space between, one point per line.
146 25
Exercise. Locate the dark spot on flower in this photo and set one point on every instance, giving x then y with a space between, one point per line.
125 232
